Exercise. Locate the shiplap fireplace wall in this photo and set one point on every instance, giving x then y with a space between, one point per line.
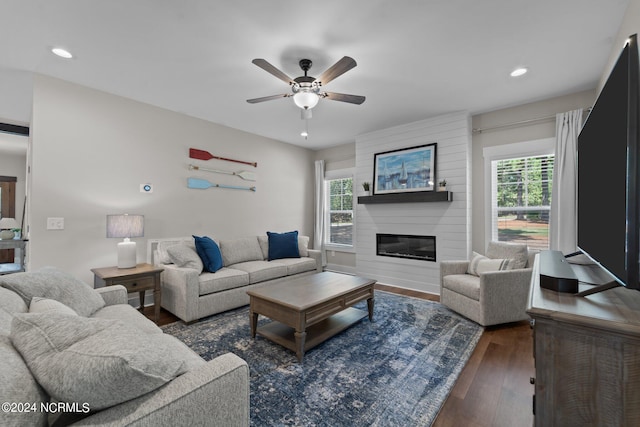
450 222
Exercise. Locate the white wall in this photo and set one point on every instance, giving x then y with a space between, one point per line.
630 25
91 151
450 222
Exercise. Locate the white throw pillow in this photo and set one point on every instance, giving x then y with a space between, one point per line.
185 255
481 264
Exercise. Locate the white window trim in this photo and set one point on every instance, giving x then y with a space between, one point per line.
537 147
338 174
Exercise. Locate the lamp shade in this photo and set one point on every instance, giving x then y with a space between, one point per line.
126 226
6 228
8 223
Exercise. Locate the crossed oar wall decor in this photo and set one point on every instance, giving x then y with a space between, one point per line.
202 184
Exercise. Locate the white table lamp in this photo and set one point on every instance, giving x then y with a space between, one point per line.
126 226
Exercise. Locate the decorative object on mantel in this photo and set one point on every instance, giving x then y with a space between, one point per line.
367 188
203 184
407 170
246 175
442 185
8 225
194 153
126 226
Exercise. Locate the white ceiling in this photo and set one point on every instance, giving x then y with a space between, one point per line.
416 59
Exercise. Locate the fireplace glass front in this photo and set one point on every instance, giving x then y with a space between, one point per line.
406 246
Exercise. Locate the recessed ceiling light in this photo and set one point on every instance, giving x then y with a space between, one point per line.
303 133
518 72
62 53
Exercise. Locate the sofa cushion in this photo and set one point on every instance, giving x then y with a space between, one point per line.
516 251
17 385
49 282
464 284
481 264
12 302
209 253
259 271
303 246
222 280
46 305
96 361
185 256
283 245
128 315
297 265
240 250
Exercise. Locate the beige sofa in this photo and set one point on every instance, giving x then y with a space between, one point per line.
91 359
191 294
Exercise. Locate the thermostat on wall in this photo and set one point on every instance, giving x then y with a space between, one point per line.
146 188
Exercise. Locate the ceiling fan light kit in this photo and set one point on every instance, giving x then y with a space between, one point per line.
305 89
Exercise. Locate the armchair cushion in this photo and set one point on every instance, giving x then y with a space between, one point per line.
516 251
464 284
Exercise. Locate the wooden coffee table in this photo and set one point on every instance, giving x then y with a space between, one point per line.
309 310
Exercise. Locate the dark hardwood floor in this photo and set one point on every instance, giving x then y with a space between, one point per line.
493 388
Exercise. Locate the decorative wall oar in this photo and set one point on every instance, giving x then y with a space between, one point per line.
194 153
247 176
203 184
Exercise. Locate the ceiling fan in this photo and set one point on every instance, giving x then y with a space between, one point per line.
306 90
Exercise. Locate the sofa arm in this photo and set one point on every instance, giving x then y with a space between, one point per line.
317 256
181 291
214 394
112 295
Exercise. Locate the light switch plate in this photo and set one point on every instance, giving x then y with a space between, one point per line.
55 223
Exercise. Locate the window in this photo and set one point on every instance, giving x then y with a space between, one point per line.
520 193
340 214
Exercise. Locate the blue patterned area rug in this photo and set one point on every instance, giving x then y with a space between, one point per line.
394 371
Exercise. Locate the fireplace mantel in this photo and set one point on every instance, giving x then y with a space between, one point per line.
418 197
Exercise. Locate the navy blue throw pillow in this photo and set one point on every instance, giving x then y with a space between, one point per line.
283 245
209 253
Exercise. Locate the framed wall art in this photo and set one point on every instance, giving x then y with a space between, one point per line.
405 170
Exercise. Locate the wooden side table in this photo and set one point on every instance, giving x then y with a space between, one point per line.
139 279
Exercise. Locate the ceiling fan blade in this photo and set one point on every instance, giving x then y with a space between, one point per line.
267 98
353 99
272 70
337 69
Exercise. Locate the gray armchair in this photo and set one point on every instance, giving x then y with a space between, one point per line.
492 297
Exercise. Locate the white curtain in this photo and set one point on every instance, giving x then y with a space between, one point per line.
564 202
318 229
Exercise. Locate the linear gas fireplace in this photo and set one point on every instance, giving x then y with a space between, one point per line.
406 246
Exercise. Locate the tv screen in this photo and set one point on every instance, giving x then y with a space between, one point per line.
608 174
